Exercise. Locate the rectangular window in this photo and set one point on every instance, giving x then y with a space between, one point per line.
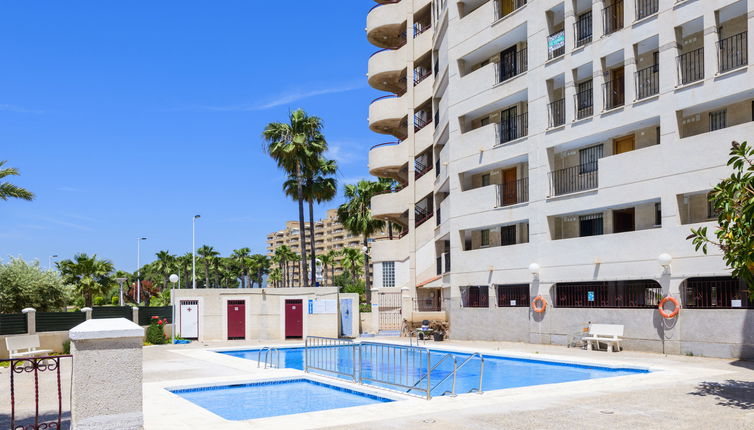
485 180
716 293
590 225
484 121
475 296
388 274
711 213
513 296
609 294
717 120
658 214
485 238
508 235
588 158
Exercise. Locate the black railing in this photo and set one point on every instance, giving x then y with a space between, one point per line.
513 65
613 94
647 82
421 27
574 179
421 74
438 265
555 39
437 167
422 165
13 324
428 304
556 113
612 17
691 66
446 256
584 104
716 293
582 29
513 192
513 128
645 8
513 296
421 215
506 7
420 122
732 52
611 294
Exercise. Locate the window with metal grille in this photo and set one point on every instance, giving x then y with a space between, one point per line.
588 158
716 293
388 273
608 294
717 120
513 296
508 235
475 296
590 225
485 238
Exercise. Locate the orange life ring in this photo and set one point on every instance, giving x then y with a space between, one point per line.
676 309
542 304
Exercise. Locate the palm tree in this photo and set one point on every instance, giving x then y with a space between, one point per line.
88 275
317 186
356 216
296 147
282 257
10 191
184 267
352 262
207 252
241 258
275 277
164 265
328 260
260 264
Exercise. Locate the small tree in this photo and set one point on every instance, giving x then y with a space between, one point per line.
25 285
733 202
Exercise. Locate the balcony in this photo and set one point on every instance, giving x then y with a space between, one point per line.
387 114
645 8
514 192
583 104
386 70
443 263
556 113
421 74
387 159
385 249
504 8
612 17
582 29
514 127
512 64
613 94
647 82
390 204
690 66
422 215
386 24
732 52
574 179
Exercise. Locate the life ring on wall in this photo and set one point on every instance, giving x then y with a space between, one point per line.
539 304
676 309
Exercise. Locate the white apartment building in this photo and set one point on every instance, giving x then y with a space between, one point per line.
558 148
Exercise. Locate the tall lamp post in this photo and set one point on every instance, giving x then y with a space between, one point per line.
49 261
120 284
138 269
173 279
193 251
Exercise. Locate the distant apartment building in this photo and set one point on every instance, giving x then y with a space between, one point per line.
557 148
329 234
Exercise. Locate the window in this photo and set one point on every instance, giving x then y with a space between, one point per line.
485 180
716 293
388 274
588 158
484 121
610 294
485 238
717 120
711 212
508 235
513 296
658 214
475 297
590 225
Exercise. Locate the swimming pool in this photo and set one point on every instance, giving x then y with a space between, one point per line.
499 372
275 398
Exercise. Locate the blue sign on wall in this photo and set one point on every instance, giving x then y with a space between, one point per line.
590 296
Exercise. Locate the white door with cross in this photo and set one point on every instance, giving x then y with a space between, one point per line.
189 319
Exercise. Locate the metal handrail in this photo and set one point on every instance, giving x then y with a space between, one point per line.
270 353
428 376
481 372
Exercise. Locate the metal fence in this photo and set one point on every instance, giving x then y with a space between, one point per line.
574 179
514 127
612 17
647 82
513 192
690 66
147 312
716 293
59 321
582 29
732 52
326 355
583 103
613 94
513 296
611 294
112 312
556 113
512 65
13 324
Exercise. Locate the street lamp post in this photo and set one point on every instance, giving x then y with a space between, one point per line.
193 251
49 261
120 284
173 279
138 269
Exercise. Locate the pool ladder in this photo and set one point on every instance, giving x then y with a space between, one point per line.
456 368
270 354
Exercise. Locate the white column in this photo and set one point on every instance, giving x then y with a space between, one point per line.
106 390
31 320
88 312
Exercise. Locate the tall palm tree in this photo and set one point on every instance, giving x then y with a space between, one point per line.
352 262
241 258
164 265
10 191
328 260
207 253
275 276
356 216
184 268
281 257
260 264
319 187
296 146
88 275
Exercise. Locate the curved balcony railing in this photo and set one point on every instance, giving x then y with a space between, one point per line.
397 142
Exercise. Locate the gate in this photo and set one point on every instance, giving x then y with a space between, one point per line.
38 367
390 311
346 317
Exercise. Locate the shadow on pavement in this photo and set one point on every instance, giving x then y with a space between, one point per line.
731 393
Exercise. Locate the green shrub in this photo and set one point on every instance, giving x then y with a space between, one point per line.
99 301
155 333
67 347
115 301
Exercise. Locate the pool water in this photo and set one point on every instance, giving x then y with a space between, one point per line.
270 399
499 372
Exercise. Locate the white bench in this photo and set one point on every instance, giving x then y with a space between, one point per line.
606 333
24 346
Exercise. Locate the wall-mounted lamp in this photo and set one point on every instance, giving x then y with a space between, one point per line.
664 260
534 269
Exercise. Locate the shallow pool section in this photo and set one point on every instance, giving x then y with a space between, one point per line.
499 372
275 398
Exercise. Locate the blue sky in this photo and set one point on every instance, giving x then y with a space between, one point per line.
127 118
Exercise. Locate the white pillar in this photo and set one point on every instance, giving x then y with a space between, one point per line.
31 320
375 311
106 381
88 312
135 315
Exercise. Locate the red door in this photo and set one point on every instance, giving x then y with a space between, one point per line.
294 318
236 319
